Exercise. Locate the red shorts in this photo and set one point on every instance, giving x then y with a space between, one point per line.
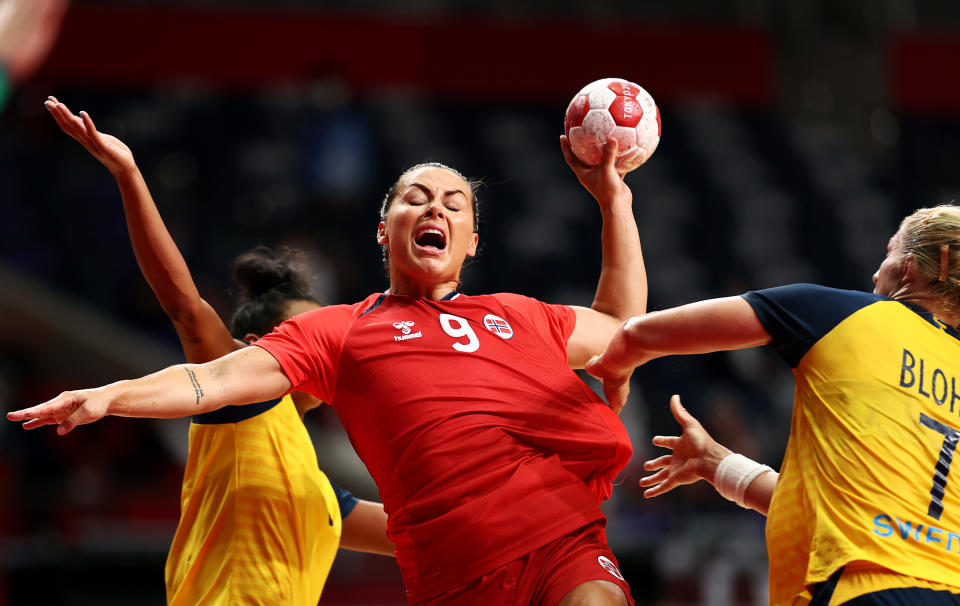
542 577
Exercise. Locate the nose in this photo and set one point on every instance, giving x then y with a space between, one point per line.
434 209
876 276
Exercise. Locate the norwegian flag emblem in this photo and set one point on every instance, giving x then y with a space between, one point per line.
498 326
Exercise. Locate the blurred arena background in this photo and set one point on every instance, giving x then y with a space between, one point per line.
795 134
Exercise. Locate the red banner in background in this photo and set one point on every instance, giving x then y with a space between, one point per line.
110 45
925 73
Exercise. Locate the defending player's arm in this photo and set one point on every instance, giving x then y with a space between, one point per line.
695 455
702 327
365 529
622 287
202 333
242 377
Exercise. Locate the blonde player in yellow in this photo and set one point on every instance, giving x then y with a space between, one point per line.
259 522
864 510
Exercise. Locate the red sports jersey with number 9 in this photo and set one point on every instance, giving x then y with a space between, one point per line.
483 443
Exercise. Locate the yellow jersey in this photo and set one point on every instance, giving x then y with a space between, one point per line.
259 522
865 480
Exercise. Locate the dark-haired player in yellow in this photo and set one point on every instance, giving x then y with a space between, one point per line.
259 522
866 509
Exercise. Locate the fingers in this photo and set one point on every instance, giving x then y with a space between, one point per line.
34 423
24 414
680 413
69 123
659 489
96 139
610 149
594 367
658 463
666 441
615 388
617 391
656 478
572 161
51 412
70 422
88 124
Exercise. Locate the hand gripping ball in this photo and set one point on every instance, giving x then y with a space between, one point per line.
618 108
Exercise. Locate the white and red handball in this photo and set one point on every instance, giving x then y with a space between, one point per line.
613 107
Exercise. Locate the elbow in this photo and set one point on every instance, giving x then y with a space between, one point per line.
637 337
619 313
633 332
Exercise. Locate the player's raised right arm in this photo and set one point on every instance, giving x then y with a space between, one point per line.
242 377
202 333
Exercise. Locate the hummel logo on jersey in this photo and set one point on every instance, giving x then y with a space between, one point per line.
609 566
404 328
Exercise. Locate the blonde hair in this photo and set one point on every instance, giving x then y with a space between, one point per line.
932 237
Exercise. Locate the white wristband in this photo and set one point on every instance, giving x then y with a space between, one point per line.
734 474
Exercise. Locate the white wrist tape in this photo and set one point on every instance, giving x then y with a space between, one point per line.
734 474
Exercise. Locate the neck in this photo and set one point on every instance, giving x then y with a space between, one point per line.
434 291
934 305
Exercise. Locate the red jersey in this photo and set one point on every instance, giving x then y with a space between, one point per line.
483 443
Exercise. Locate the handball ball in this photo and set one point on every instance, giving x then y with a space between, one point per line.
618 108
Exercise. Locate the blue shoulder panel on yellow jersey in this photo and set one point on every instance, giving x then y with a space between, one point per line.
345 499
798 315
234 414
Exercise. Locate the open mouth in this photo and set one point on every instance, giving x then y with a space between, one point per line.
431 237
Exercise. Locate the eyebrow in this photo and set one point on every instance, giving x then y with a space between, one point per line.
427 190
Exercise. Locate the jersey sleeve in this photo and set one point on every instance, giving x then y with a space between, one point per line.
553 322
345 499
308 348
798 315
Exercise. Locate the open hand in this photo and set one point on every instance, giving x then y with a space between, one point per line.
66 411
695 455
110 151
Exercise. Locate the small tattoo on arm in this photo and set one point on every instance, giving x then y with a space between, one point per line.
196 385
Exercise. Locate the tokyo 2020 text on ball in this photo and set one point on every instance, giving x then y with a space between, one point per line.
613 107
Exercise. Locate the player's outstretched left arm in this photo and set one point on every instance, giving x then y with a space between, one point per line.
695 455
622 287
242 377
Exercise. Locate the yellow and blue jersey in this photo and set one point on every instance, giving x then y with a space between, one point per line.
865 481
259 522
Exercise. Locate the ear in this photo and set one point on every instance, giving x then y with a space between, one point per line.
472 249
910 271
382 234
250 338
